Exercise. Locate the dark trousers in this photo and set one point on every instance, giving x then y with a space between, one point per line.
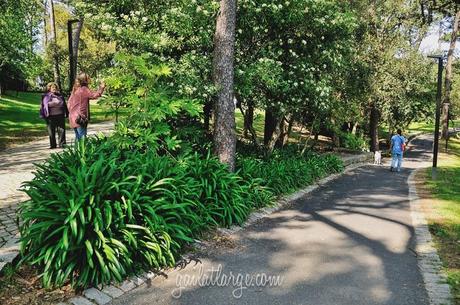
56 123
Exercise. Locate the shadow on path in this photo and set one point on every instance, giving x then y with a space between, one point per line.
350 241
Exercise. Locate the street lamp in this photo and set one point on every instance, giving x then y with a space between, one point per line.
438 114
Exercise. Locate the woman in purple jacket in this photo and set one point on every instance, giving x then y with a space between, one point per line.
54 110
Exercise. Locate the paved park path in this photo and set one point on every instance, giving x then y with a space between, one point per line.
350 241
16 166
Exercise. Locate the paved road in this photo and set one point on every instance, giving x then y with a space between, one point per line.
349 242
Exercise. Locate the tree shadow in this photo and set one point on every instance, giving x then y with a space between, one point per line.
350 241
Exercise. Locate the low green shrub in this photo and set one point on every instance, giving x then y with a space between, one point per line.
287 175
227 197
352 141
98 214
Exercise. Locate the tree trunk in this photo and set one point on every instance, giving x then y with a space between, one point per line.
374 128
286 128
45 16
269 125
315 139
310 132
355 128
334 135
274 138
250 128
207 111
57 74
287 134
223 73
248 120
31 32
448 77
73 56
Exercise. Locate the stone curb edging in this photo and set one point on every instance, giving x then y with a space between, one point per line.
105 295
427 257
9 251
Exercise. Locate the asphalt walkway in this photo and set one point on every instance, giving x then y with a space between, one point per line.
350 241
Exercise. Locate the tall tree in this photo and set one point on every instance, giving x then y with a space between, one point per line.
54 48
223 73
448 76
45 16
17 18
74 38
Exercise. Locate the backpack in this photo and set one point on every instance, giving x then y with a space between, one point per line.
403 144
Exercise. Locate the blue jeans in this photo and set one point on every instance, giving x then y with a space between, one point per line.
80 133
396 160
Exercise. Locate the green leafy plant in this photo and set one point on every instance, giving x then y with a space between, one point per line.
90 220
285 175
351 141
97 214
151 111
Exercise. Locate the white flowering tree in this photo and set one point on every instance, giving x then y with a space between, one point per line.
292 60
313 62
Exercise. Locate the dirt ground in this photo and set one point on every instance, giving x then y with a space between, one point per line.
23 287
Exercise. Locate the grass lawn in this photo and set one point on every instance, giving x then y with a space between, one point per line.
428 127
259 121
20 121
444 213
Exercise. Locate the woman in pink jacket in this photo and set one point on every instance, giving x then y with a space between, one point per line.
79 113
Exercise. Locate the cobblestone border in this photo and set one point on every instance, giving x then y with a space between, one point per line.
9 251
427 257
105 295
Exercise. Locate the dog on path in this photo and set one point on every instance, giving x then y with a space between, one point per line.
378 157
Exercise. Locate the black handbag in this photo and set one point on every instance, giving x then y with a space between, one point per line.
81 120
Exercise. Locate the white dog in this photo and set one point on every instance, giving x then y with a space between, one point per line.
378 157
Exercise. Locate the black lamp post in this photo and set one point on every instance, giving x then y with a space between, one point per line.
438 114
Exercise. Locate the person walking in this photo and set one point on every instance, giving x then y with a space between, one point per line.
79 110
397 147
54 110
